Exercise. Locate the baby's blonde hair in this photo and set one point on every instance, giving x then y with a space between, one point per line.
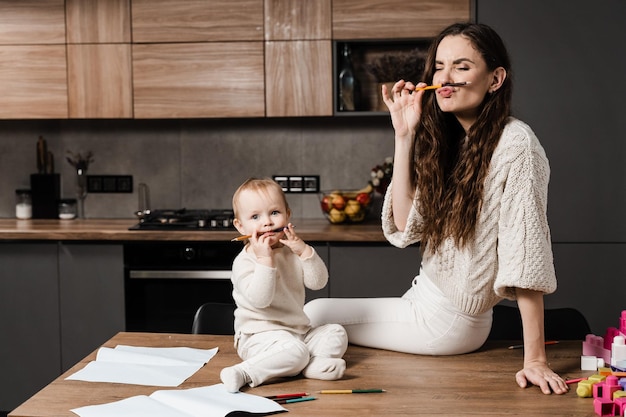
260 185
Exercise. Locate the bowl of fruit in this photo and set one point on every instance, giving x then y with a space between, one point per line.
346 206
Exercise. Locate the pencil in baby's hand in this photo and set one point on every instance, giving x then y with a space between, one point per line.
240 238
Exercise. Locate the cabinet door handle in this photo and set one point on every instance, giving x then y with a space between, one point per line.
161 274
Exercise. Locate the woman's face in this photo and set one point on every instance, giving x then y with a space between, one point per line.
458 61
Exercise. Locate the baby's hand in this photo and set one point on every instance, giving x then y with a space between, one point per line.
292 241
260 246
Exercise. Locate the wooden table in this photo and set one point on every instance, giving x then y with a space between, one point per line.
476 384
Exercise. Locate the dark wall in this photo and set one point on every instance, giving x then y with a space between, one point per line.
569 60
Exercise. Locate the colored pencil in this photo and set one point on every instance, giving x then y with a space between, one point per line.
575 380
549 342
436 86
351 391
281 396
240 238
294 400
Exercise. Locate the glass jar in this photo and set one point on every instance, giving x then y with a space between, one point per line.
67 209
23 204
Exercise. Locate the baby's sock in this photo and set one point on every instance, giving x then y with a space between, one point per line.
234 378
324 368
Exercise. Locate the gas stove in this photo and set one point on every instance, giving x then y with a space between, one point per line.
186 219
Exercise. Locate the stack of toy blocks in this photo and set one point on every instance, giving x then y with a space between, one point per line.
608 386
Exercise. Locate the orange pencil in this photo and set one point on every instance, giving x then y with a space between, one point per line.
436 86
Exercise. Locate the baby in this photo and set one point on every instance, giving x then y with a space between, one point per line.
272 333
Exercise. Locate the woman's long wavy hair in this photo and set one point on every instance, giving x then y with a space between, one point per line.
450 182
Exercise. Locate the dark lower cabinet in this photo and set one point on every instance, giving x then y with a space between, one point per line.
58 302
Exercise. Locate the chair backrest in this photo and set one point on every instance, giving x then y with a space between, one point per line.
559 324
214 318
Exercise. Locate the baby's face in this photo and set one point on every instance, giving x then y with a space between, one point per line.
261 212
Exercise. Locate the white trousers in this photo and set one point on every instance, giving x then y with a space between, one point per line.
422 321
280 353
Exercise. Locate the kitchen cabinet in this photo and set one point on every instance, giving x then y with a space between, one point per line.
298 78
98 21
395 19
298 58
187 80
34 82
30 351
99 81
161 21
99 59
58 302
91 286
372 269
33 70
32 22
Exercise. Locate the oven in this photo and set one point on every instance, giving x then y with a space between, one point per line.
166 281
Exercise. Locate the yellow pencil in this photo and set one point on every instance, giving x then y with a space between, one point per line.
436 86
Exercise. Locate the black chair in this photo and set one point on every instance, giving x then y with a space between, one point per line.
559 324
214 318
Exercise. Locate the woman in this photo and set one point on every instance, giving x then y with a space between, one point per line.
470 184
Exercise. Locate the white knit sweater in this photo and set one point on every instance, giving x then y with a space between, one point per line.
273 298
512 247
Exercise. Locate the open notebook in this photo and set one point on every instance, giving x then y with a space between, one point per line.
213 400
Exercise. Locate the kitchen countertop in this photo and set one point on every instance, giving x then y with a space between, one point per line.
310 230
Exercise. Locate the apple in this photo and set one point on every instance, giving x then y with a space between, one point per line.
352 208
339 202
363 198
326 204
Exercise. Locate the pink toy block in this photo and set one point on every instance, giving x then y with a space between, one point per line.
620 406
622 323
594 346
611 332
610 385
603 407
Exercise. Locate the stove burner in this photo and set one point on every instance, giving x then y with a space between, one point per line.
185 219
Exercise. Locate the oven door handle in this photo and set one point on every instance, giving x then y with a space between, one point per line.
161 274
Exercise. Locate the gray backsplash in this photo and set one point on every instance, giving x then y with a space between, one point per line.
196 163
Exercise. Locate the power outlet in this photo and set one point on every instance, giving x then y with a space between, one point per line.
109 184
298 183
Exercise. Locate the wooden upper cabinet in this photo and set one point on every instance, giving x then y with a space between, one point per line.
33 82
98 21
189 80
99 81
298 58
32 22
196 20
395 19
297 20
298 78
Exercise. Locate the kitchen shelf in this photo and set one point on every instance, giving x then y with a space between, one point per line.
365 54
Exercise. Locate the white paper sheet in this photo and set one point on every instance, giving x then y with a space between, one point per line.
213 400
164 367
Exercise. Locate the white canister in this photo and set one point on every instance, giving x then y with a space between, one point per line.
23 204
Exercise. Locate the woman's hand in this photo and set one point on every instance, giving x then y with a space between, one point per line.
405 106
536 369
541 375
